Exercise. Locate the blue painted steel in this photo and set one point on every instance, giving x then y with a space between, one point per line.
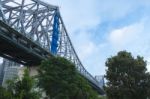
55 35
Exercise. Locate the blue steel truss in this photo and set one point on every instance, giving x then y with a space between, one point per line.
55 34
42 23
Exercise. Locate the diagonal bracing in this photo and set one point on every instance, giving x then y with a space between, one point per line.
42 23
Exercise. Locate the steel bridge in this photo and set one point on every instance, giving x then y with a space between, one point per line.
31 30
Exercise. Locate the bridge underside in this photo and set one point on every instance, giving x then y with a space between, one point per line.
16 47
33 31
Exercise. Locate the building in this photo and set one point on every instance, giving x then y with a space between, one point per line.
11 73
4 63
1 73
9 70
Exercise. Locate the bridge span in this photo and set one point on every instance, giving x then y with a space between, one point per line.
31 31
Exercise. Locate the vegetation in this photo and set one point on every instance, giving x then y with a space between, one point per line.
127 77
57 77
20 88
60 80
4 94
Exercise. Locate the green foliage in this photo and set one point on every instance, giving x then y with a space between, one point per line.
102 97
60 80
53 77
127 77
83 89
23 88
4 94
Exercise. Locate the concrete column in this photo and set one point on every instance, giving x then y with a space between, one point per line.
33 70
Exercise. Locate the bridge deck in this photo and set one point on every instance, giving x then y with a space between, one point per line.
31 32
16 47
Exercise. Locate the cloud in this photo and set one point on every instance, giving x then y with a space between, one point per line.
84 18
84 45
148 63
134 38
126 35
80 16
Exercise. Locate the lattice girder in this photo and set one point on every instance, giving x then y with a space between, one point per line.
35 19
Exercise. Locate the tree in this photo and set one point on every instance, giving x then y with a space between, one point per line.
127 77
84 90
60 80
23 88
4 94
53 77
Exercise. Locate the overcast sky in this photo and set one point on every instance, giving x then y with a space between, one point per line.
101 28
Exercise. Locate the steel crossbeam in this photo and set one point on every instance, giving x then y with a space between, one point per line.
36 20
